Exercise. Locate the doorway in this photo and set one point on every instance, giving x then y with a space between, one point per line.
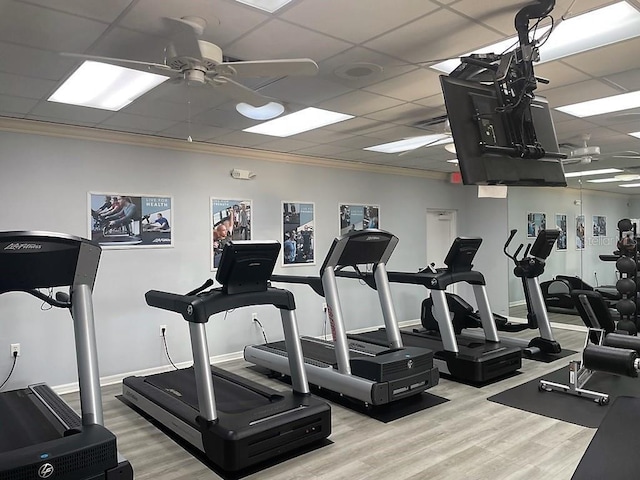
441 231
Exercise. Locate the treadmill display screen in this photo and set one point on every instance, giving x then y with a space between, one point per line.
246 266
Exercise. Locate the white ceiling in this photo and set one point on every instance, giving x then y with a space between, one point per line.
395 35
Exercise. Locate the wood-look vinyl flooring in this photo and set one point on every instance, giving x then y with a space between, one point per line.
520 311
467 438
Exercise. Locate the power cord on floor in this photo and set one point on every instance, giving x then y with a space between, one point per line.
166 349
15 360
264 334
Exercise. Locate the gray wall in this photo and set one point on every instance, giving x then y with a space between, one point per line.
572 202
45 181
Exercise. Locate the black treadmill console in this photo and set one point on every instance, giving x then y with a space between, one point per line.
461 254
30 260
246 266
544 243
360 247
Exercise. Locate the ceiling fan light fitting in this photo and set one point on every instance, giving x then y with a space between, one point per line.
266 112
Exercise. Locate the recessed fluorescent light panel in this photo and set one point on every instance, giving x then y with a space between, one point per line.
602 171
410 143
298 122
266 5
604 26
635 134
629 185
600 106
454 160
105 86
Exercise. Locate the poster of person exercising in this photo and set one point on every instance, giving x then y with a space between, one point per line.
230 220
298 229
118 220
358 217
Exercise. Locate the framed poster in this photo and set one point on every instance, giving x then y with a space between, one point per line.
599 225
230 220
120 220
298 233
580 231
561 224
358 217
536 221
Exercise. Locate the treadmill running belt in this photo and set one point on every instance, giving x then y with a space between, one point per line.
21 423
230 397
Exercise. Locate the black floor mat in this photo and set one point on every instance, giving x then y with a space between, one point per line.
613 453
548 357
196 453
568 408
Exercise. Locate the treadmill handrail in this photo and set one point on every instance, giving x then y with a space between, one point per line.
433 281
198 308
312 281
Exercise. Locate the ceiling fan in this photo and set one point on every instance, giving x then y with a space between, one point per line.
193 61
585 154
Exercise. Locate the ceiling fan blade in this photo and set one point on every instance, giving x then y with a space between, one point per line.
135 64
184 36
238 91
268 68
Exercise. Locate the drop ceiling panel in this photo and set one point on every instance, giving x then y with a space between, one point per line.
405 114
356 142
47 29
223 119
226 20
158 109
628 127
197 131
16 105
607 60
358 20
400 132
322 135
442 34
278 39
359 126
325 151
33 62
85 115
198 98
130 45
629 79
497 14
612 119
148 124
392 67
104 11
360 102
579 92
410 86
285 145
558 74
243 139
309 91
25 86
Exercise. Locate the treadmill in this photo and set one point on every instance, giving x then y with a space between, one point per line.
237 423
464 358
363 371
41 436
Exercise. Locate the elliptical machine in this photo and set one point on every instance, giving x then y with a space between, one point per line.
528 268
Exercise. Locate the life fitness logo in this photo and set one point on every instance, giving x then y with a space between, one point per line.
23 246
45 470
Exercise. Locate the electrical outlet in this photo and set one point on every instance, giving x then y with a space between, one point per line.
15 348
324 307
254 316
163 330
